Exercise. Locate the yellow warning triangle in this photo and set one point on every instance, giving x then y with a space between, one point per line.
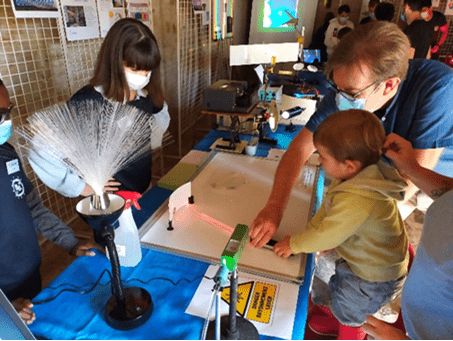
244 293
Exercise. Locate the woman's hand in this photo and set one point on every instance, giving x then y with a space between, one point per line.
402 154
111 186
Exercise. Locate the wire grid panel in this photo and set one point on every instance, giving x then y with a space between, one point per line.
220 59
33 62
194 60
81 58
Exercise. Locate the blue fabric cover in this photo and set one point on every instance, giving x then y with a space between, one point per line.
81 316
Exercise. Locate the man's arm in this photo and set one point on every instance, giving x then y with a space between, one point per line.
426 158
267 221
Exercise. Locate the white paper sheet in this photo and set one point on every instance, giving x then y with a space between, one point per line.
108 15
80 19
263 53
259 298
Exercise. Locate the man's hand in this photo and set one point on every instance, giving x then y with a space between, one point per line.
381 330
23 308
82 248
282 248
263 227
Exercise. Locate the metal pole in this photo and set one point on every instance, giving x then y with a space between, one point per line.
234 334
217 316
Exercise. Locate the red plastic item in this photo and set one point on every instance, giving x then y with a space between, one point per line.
321 320
130 197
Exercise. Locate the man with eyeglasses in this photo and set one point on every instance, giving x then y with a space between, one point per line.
370 70
22 213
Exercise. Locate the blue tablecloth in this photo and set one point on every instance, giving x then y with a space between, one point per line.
81 316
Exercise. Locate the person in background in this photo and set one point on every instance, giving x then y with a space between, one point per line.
385 11
439 25
22 214
336 25
359 219
418 30
127 71
317 42
427 298
343 31
371 12
370 69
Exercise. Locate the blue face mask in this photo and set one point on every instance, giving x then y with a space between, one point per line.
372 15
403 16
6 129
345 104
344 20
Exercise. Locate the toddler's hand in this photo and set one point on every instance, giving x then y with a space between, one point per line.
282 248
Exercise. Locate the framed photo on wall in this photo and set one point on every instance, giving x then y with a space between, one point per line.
35 8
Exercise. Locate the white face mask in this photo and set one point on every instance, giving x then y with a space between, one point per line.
135 81
424 15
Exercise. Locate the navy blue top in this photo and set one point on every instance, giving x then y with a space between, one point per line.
20 253
137 175
421 111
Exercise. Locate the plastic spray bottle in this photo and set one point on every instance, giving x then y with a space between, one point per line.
126 239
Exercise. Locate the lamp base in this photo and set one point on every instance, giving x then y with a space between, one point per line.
245 329
137 309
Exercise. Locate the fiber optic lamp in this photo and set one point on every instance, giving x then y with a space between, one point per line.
130 307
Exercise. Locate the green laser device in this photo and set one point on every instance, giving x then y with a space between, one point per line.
233 250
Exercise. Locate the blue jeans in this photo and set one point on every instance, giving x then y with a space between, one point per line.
350 297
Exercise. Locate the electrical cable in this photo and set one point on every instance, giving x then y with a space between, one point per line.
77 289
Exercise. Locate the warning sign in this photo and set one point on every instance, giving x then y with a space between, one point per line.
244 291
262 302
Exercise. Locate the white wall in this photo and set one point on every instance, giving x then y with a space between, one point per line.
306 13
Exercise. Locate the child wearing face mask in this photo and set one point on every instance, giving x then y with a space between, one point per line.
22 214
127 71
335 26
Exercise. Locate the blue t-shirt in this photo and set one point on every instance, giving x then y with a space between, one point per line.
427 299
421 111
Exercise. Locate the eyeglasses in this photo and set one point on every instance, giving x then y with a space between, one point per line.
5 114
346 95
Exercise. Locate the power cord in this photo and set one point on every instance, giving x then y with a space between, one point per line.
77 289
